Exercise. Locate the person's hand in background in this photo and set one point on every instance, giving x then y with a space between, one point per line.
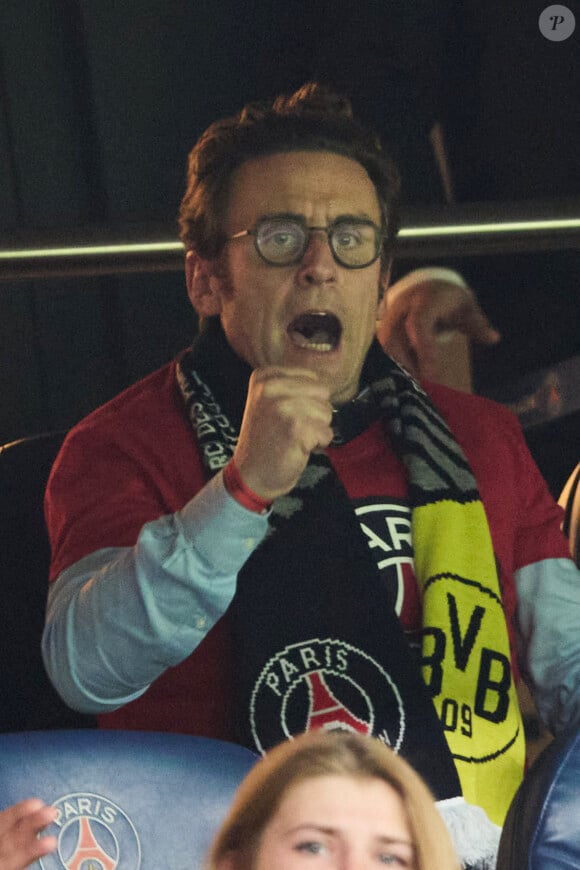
430 318
20 826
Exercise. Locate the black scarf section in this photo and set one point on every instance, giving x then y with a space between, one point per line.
316 642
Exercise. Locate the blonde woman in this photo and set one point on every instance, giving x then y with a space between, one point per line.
332 800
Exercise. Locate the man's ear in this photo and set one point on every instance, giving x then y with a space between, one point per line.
203 285
384 281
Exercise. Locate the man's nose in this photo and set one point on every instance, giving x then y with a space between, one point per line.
317 265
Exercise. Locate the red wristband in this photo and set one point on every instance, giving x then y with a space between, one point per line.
242 493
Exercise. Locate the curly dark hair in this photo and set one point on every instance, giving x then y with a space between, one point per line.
314 118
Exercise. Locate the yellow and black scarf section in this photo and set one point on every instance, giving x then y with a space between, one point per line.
312 629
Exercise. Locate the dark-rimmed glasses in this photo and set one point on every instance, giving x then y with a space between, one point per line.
282 241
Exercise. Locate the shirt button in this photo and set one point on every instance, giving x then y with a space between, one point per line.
201 622
250 543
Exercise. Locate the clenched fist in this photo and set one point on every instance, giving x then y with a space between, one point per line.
288 414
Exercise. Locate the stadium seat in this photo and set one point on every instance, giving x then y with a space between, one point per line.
542 829
126 799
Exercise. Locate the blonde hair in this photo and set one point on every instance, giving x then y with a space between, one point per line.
323 753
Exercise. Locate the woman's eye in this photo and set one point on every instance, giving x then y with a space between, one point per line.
311 847
393 860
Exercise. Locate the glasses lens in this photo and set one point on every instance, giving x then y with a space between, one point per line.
281 241
355 243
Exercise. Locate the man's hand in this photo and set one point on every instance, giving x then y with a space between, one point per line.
19 826
428 327
288 415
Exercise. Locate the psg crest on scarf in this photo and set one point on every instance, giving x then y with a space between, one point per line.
319 684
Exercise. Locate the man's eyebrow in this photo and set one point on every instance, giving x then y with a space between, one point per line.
281 215
289 215
361 216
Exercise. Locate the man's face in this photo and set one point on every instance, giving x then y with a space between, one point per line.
314 314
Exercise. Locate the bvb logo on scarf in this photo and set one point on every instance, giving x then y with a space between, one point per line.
465 651
466 661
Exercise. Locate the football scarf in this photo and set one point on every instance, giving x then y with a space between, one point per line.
316 643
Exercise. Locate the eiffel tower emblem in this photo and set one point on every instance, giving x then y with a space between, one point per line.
88 855
326 711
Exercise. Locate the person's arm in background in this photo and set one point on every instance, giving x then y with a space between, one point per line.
431 317
20 826
548 602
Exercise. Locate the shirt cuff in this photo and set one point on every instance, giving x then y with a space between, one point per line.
223 532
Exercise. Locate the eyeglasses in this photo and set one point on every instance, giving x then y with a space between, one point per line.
280 241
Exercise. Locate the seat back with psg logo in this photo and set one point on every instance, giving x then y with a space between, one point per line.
127 800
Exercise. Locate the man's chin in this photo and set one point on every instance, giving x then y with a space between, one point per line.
328 366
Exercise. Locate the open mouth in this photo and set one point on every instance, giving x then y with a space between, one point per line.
316 330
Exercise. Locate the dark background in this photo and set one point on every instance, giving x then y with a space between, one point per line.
101 102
